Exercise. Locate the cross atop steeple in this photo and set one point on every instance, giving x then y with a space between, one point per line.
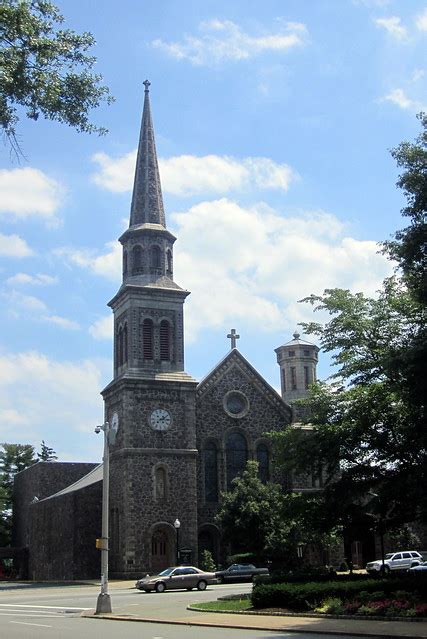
147 201
233 337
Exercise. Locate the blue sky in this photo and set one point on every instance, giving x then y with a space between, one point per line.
273 124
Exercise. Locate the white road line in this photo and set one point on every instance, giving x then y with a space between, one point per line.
39 625
64 608
28 614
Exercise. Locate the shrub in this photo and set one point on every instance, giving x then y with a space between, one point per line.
208 563
306 596
332 606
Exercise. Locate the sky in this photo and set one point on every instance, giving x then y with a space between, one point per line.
274 122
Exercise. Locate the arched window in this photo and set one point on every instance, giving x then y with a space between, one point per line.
155 258
125 262
147 339
169 261
160 480
125 343
137 259
263 459
210 458
120 346
165 339
236 456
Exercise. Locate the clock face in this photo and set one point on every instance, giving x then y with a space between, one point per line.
160 419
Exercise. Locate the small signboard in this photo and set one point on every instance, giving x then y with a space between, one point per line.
185 556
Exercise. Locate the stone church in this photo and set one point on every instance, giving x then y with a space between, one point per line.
179 443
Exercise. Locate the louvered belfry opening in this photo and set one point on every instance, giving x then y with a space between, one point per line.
165 341
147 338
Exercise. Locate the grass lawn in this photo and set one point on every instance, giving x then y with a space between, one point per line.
229 605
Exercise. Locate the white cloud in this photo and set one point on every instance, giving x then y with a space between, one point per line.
251 265
223 40
276 261
25 302
400 99
417 74
108 264
421 21
186 175
40 279
393 26
14 246
34 308
29 192
102 328
43 403
63 322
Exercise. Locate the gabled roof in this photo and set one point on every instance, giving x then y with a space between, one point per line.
235 358
91 478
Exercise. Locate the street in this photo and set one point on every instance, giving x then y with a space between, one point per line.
35 612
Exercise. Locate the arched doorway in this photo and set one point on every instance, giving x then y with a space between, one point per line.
162 549
208 540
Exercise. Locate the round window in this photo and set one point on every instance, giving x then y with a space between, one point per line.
236 404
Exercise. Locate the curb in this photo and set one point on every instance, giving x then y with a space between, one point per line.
213 624
308 615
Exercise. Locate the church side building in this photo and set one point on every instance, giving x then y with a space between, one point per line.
179 443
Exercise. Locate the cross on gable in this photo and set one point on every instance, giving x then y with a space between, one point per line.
233 337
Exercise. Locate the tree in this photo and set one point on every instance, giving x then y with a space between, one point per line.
409 247
46 453
250 513
13 459
371 420
262 519
45 69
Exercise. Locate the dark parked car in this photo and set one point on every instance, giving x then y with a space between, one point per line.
177 577
240 572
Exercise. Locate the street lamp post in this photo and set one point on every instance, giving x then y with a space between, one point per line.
177 526
103 603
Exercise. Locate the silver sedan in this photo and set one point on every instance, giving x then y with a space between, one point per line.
184 577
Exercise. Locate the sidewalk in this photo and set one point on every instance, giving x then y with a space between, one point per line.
245 621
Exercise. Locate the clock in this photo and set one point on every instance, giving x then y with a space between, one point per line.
160 419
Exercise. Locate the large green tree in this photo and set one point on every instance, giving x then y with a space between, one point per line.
45 69
369 427
264 520
13 459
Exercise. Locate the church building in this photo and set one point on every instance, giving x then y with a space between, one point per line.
179 442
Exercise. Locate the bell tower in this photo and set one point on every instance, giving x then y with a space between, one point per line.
151 398
298 363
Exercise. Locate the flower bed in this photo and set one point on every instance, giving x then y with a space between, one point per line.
403 597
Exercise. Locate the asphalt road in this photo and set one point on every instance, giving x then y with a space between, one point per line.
36 612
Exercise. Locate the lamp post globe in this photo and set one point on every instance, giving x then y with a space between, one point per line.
177 526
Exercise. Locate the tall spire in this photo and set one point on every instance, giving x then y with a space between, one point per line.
147 201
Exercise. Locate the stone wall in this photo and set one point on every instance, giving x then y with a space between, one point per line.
40 481
62 535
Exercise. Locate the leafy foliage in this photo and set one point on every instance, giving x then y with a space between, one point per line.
45 69
249 514
208 563
13 459
261 519
372 418
46 453
409 247
306 596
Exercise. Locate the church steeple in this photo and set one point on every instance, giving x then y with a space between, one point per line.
148 307
147 201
